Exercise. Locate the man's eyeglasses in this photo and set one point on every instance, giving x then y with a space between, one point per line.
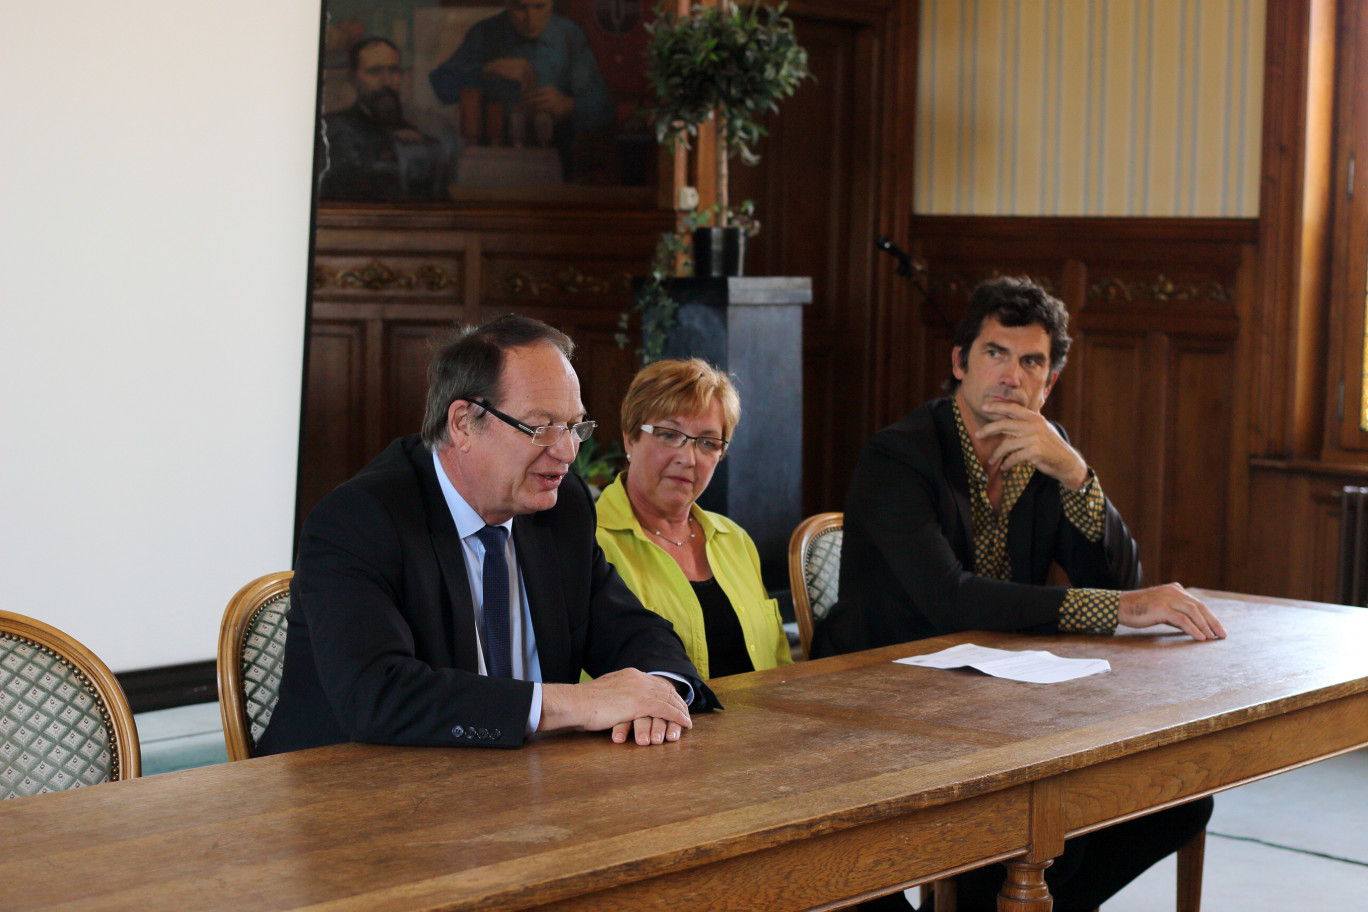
545 435
712 446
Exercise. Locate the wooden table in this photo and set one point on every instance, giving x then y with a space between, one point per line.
821 783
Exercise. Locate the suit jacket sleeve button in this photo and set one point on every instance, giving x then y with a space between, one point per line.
457 732
496 734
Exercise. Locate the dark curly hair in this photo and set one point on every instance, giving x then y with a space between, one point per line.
1013 301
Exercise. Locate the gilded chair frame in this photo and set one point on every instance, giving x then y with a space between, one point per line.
126 762
233 632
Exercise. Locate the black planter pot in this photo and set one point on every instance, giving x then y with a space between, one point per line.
719 252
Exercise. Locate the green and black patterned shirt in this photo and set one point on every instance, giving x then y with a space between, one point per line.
1083 610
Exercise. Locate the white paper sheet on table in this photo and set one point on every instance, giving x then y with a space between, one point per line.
1034 666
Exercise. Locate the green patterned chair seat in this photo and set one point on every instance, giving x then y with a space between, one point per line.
55 730
263 659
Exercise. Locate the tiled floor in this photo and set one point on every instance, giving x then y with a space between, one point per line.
1295 842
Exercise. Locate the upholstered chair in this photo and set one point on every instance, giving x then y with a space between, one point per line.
814 571
251 656
64 720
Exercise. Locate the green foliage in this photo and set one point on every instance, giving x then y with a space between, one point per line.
597 464
737 62
653 301
657 308
742 217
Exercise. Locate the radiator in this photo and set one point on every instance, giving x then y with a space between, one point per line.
1353 560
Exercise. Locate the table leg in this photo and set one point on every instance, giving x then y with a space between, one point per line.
1024 890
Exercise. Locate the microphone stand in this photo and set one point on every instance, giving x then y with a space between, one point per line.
915 273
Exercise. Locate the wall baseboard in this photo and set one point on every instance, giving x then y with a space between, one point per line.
170 685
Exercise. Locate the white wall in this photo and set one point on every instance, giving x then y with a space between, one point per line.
155 160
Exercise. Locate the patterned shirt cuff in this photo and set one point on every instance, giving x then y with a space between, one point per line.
1090 611
1086 508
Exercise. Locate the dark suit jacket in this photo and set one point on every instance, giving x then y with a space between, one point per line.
382 646
907 559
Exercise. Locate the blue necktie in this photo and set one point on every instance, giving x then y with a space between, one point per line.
495 573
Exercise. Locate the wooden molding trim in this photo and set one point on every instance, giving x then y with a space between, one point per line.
1161 288
378 275
522 283
628 221
1347 471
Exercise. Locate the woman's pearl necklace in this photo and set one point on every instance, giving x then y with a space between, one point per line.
679 544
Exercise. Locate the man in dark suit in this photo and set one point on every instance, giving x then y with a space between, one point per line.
451 593
953 519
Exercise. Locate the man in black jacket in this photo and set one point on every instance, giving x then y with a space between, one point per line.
953 520
451 593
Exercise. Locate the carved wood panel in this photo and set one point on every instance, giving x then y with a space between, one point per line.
387 284
1200 374
1114 362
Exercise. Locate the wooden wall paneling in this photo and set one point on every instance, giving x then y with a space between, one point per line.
934 359
1293 535
398 280
1296 162
814 193
1271 552
1345 438
408 348
1199 450
1151 467
334 434
895 340
1065 403
565 271
605 371
1323 583
1111 429
1238 516
395 287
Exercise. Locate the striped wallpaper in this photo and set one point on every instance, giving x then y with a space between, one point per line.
1090 107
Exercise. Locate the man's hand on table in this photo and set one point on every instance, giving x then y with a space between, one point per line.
625 701
1170 604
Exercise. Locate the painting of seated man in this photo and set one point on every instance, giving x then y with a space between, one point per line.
501 94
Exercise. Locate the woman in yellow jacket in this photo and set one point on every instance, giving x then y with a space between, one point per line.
697 569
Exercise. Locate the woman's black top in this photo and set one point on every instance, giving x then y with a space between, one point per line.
727 653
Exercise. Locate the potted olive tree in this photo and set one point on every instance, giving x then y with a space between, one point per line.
732 64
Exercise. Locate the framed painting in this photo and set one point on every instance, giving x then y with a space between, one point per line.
485 101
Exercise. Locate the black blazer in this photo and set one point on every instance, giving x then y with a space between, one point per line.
907 559
382 646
